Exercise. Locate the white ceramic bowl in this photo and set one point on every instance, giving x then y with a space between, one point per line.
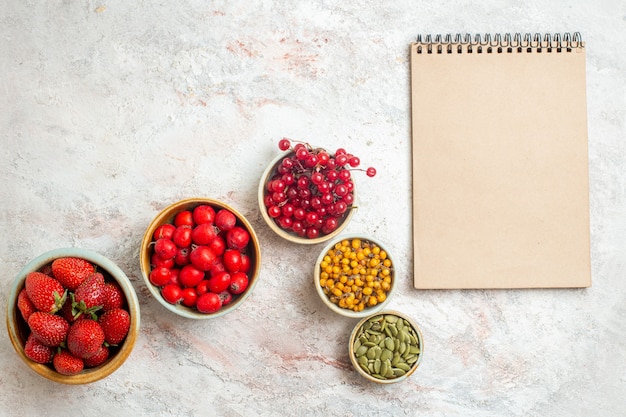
317 275
18 329
288 234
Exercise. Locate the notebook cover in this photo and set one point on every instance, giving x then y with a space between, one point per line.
500 170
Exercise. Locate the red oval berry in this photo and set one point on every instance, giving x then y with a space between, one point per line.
182 236
202 287
158 261
219 282
238 283
232 260
190 276
209 303
165 231
226 297
202 257
172 293
182 256
184 218
203 234
237 238
245 263
165 248
159 276
218 245
225 219
203 213
190 297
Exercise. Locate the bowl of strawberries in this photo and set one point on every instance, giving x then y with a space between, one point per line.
72 316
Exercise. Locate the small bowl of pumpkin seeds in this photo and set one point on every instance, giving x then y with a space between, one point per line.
386 347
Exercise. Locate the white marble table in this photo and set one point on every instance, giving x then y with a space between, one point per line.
112 110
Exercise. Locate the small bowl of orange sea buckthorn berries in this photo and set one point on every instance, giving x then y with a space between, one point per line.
355 276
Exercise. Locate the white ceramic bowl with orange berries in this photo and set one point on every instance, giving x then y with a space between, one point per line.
39 310
307 194
355 275
200 258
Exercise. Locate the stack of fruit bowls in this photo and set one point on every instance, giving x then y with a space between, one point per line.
200 258
47 329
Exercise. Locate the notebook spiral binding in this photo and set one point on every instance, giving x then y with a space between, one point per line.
516 43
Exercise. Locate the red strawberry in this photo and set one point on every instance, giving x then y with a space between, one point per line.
37 351
98 359
49 329
113 296
115 324
71 271
67 311
46 293
85 338
67 364
24 304
47 269
89 296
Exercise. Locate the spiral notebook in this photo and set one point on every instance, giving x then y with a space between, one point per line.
500 162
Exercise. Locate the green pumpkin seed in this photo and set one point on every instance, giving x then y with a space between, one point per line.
400 324
388 332
389 344
414 350
386 355
371 352
377 364
384 368
391 318
411 359
362 350
398 372
404 366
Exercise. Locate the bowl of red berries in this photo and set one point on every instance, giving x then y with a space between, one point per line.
72 316
200 258
307 194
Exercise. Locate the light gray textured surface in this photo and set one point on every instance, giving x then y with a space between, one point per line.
112 110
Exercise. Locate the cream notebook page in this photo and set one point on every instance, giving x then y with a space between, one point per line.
500 165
